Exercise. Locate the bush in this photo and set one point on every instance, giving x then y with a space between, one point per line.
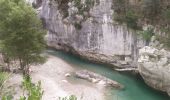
147 34
3 77
72 97
131 20
34 90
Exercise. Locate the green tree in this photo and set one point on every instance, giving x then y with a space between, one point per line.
21 33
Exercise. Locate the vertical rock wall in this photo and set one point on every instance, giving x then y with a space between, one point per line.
99 34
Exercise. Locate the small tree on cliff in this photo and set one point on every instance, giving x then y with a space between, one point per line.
21 33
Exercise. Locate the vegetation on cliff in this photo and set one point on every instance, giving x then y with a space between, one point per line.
139 13
80 7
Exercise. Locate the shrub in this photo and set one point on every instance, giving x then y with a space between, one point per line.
131 19
147 34
3 77
72 97
34 90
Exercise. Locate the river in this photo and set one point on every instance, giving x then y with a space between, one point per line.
135 88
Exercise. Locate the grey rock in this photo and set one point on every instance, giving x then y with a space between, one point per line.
154 67
67 75
98 79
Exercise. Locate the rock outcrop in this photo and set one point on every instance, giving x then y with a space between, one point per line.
98 79
154 67
92 34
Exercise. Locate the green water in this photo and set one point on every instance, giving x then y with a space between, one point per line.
135 88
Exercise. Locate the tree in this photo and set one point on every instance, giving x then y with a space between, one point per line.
21 33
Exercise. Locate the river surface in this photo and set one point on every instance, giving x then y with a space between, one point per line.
135 88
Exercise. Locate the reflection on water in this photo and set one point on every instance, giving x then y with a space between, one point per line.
135 88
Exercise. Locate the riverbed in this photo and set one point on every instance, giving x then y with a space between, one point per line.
135 88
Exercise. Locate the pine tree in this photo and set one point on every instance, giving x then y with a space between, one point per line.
21 33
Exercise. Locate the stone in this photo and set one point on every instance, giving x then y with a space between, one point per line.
161 46
153 38
65 81
128 59
98 79
67 75
101 82
79 17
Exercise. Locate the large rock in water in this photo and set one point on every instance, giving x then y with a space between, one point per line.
154 67
99 39
98 79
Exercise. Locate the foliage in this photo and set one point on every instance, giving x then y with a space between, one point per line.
21 33
82 8
34 90
151 8
166 17
144 12
8 97
63 7
147 34
147 10
72 97
77 3
119 6
3 77
131 20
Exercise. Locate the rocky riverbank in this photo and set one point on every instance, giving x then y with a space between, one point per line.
55 84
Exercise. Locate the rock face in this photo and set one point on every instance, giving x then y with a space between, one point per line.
98 79
99 38
154 67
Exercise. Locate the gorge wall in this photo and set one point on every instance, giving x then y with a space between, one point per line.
100 38
88 30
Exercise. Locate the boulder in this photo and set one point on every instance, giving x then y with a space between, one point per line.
154 67
98 79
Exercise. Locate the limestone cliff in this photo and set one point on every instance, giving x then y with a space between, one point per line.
154 67
99 38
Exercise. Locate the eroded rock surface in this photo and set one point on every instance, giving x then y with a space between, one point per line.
154 67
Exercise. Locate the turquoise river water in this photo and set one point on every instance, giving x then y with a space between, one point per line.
135 88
